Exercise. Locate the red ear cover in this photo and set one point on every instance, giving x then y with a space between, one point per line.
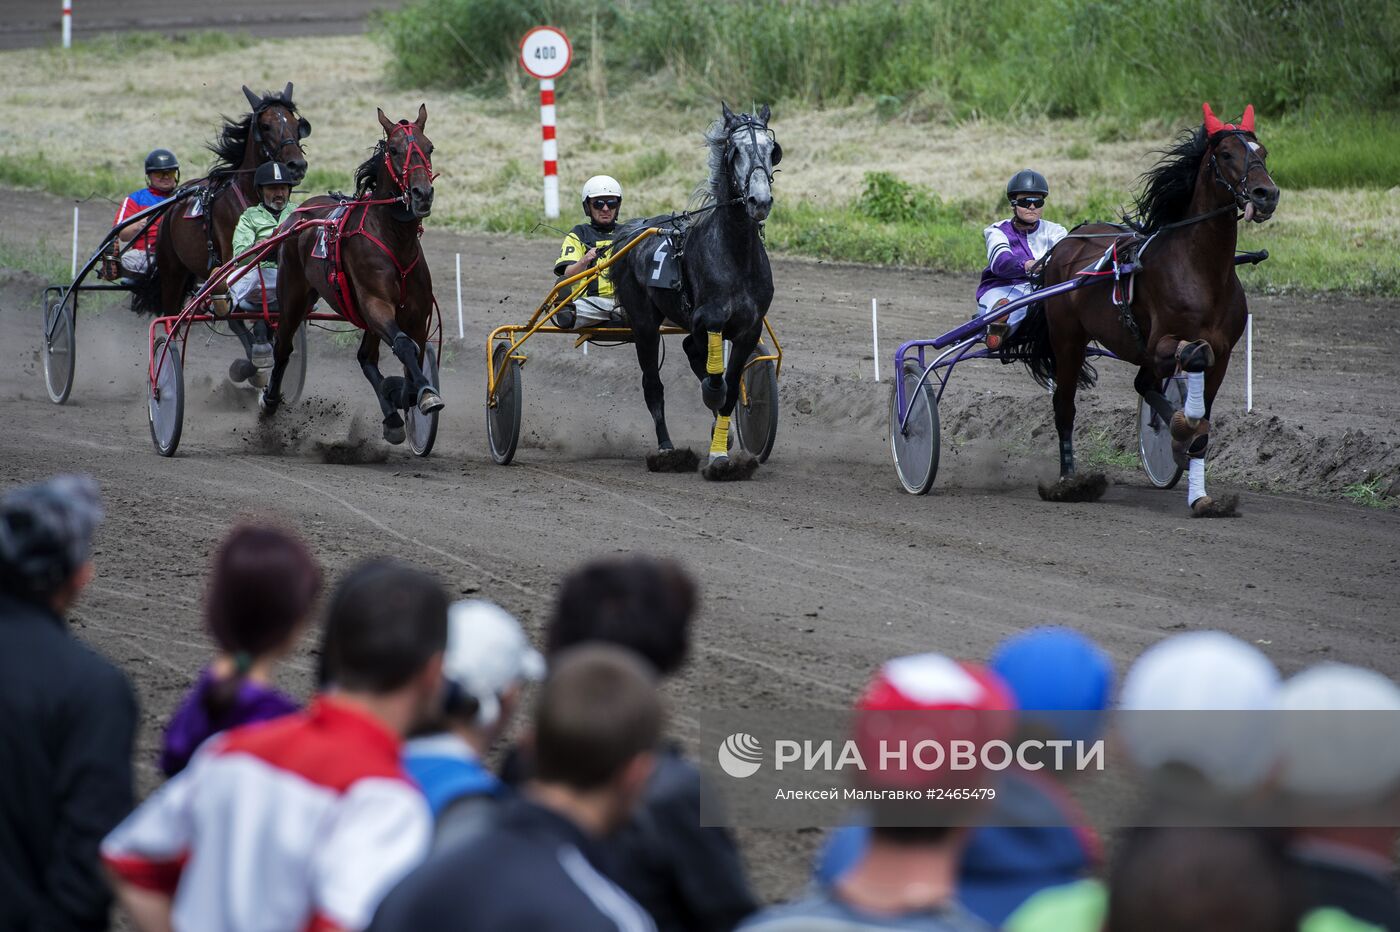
1247 121
1213 124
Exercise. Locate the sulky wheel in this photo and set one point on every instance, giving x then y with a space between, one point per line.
503 420
167 397
422 428
916 447
757 420
294 377
60 347
1155 437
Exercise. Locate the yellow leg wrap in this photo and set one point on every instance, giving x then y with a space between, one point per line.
714 363
719 443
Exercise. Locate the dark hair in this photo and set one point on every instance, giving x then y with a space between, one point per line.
384 623
640 603
1201 879
262 585
597 711
1169 185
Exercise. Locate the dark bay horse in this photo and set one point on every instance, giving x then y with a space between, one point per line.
1187 308
188 248
369 267
726 285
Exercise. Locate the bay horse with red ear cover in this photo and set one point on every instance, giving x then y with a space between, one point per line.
1184 312
364 258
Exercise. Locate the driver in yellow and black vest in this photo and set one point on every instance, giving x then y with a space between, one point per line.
584 247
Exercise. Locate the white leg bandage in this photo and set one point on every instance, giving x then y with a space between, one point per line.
1195 480
1195 395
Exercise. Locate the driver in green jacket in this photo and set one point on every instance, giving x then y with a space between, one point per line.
258 288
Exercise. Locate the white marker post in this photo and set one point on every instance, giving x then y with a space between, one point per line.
545 53
875 333
75 242
461 331
68 24
1248 363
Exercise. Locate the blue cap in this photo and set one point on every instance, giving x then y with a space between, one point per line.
46 533
1057 669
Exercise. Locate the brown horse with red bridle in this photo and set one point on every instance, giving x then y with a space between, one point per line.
1184 312
364 258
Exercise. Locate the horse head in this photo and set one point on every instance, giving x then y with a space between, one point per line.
751 154
408 161
277 130
1237 161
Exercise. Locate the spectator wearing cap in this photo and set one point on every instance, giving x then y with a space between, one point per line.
1185 759
488 659
262 588
67 716
539 865
906 875
304 822
1341 757
687 876
1062 683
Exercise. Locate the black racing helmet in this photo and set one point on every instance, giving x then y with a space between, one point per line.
46 534
1027 181
161 160
271 173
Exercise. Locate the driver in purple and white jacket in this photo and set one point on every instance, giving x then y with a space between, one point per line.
1014 246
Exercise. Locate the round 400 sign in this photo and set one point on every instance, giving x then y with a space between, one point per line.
545 52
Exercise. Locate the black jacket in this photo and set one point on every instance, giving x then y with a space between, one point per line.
67 722
532 870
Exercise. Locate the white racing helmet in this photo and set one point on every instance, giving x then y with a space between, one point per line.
600 186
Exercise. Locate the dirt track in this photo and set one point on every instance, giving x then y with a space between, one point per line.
813 572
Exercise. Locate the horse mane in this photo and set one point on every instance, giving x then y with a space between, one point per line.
229 145
714 187
367 175
1169 185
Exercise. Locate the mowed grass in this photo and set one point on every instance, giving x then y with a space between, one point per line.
86 127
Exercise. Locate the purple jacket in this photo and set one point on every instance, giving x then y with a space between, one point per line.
1008 249
191 725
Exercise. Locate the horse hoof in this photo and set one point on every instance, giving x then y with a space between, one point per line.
428 402
1075 488
669 459
267 405
736 468
1181 429
1207 507
1196 356
394 435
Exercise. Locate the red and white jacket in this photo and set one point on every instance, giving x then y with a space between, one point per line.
302 823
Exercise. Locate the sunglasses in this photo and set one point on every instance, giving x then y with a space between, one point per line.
1033 203
609 203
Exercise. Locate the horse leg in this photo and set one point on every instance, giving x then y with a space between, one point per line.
721 467
368 356
704 347
1069 360
1190 427
289 319
409 350
1200 503
1148 386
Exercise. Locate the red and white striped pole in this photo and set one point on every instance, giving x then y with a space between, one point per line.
550 148
67 24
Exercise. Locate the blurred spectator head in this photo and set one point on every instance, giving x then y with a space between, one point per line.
926 698
1200 880
386 629
1203 671
597 723
640 603
262 587
1340 759
46 532
1062 681
488 658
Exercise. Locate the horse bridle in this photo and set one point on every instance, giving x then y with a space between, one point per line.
1251 158
271 153
400 176
753 126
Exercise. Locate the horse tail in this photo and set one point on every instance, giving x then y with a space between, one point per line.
1030 343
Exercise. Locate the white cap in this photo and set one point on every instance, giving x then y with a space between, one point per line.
487 653
601 186
1203 671
1339 756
